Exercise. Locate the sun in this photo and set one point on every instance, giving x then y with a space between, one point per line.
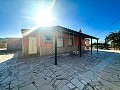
41 13
44 18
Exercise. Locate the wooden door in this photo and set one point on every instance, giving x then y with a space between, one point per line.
32 45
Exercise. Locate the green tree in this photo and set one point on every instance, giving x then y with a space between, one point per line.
114 38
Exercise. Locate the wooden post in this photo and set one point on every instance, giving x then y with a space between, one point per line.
56 48
80 45
114 46
91 45
97 45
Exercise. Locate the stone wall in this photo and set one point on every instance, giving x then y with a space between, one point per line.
60 50
47 50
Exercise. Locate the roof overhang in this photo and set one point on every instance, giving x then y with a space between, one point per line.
65 30
76 33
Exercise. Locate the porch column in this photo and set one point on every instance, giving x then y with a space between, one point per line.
91 45
56 48
114 46
80 45
97 45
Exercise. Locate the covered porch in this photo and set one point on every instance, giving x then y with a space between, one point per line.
74 33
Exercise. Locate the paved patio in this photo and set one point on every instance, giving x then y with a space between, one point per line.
100 71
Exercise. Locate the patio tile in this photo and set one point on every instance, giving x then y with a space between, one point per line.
90 75
57 82
24 71
58 73
85 78
53 81
77 83
15 88
24 80
76 89
62 83
7 79
48 80
24 83
82 81
38 76
71 86
65 88
14 83
109 84
28 87
4 86
44 87
48 72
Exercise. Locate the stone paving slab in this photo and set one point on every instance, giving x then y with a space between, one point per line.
28 87
77 83
108 79
65 88
99 71
70 85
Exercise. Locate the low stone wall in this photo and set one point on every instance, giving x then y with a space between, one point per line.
51 50
47 50
25 51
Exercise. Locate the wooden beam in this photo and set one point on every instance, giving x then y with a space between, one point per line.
56 48
97 45
91 45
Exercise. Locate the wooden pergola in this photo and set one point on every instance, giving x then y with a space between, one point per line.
75 33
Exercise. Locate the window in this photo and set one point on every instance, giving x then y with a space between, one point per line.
60 42
48 38
70 41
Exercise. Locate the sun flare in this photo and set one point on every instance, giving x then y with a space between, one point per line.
44 18
41 15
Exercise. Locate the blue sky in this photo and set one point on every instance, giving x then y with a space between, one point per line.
92 16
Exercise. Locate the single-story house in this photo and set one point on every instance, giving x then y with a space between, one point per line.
46 40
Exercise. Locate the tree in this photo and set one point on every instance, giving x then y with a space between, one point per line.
114 38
